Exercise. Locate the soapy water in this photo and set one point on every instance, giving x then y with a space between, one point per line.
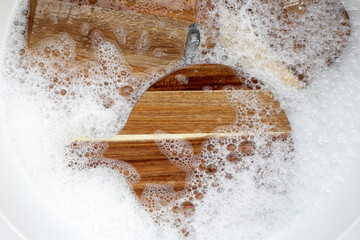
250 190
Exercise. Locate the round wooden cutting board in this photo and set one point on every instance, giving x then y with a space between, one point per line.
193 110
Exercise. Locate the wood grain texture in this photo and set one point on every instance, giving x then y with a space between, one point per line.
199 76
183 112
166 35
188 112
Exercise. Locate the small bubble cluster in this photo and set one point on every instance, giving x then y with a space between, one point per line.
182 79
121 35
143 43
89 155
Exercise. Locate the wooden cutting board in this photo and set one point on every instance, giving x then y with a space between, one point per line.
191 104
192 110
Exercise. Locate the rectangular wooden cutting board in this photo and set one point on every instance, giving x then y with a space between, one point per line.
124 22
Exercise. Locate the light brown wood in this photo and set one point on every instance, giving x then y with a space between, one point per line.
166 33
184 112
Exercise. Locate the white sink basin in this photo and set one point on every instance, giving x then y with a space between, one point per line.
24 215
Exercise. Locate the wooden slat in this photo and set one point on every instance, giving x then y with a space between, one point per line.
151 164
193 112
199 76
190 136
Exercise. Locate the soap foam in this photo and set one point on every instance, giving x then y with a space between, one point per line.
237 187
